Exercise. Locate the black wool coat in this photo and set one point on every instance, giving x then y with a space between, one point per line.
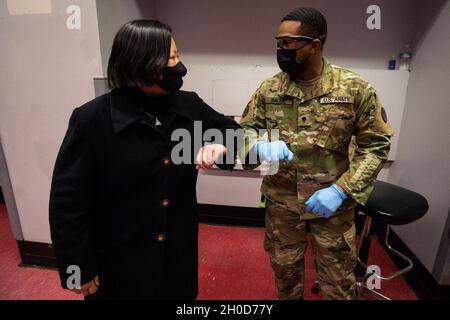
119 207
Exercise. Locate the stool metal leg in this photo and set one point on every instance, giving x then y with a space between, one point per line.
398 254
363 250
361 286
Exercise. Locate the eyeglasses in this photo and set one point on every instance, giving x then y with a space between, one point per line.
291 42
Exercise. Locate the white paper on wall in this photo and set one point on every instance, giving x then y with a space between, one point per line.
20 7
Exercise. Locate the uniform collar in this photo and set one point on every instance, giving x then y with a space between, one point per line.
325 85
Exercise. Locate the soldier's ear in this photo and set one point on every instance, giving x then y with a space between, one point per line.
316 45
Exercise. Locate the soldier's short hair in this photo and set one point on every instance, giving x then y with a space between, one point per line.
140 51
313 23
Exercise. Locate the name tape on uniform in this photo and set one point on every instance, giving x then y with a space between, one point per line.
337 100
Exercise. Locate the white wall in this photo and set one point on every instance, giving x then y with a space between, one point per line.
46 71
423 155
228 88
234 32
242 32
112 14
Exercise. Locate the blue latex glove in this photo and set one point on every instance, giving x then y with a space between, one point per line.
273 151
325 202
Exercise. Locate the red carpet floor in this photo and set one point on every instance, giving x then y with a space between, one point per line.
233 265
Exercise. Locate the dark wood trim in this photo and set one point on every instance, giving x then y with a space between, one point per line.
36 254
2 198
230 215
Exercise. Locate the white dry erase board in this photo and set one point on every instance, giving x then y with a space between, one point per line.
228 89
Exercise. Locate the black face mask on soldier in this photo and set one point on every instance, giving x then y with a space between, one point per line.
287 60
172 79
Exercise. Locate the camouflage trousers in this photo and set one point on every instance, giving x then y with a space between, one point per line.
334 249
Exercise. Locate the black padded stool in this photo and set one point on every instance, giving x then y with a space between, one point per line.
390 205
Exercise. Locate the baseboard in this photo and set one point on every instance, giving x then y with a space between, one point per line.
37 254
41 255
2 198
419 278
231 215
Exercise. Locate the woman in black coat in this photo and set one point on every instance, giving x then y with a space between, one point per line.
123 205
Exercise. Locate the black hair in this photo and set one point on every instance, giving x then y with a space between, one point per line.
313 23
140 51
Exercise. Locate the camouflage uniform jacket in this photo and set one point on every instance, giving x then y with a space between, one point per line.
318 127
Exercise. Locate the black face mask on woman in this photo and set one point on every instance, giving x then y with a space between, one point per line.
172 79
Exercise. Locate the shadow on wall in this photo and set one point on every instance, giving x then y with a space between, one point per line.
425 17
442 263
146 7
249 27
112 14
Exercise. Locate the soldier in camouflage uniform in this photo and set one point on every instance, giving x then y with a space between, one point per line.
316 115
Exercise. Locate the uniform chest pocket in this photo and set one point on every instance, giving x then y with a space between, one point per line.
281 121
336 123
